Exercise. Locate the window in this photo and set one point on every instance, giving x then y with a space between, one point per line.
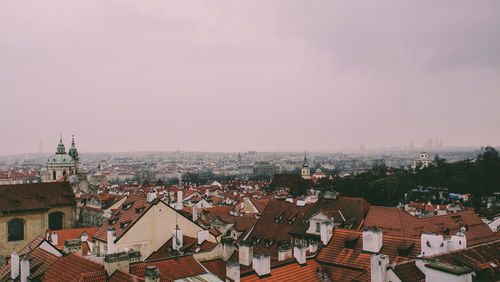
54 175
56 221
318 227
16 230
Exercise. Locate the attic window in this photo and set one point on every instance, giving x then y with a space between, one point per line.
124 224
268 243
405 248
350 241
292 219
139 210
280 217
127 206
116 213
16 202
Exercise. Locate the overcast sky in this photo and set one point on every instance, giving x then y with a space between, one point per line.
248 75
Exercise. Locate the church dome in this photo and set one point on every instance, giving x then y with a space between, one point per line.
60 159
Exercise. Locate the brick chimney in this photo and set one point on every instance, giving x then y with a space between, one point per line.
245 253
73 246
120 261
152 274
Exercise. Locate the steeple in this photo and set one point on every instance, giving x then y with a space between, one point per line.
73 152
60 147
305 164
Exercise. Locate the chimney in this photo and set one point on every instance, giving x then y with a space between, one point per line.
73 246
195 213
152 274
177 238
178 205
372 239
54 240
227 247
120 261
262 264
84 237
111 240
202 236
14 265
284 252
233 271
25 270
326 229
245 253
299 253
379 264
151 196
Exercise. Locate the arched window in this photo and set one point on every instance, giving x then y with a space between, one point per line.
56 220
54 175
16 230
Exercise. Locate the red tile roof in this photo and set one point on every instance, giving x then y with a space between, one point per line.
172 268
409 272
190 246
71 267
137 207
68 234
259 204
217 267
336 253
394 221
292 271
21 197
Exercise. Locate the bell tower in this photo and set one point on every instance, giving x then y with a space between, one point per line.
306 171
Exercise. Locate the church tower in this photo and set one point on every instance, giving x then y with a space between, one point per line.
306 171
73 152
61 165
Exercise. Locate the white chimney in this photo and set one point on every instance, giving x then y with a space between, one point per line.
54 238
245 253
151 196
111 240
299 253
25 270
457 242
14 265
284 252
326 229
84 237
379 264
372 239
202 236
262 264
195 213
227 248
178 205
177 238
233 271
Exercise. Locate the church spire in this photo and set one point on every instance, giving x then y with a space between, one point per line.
305 164
60 147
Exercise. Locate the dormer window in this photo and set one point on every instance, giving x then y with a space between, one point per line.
127 206
350 241
139 210
318 227
124 224
279 218
405 248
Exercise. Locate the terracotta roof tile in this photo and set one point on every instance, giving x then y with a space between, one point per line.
292 271
172 268
35 196
394 221
190 245
71 267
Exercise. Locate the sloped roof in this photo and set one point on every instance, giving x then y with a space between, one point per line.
71 267
275 223
36 196
409 272
352 209
259 204
336 253
137 206
172 268
285 180
292 271
40 260
190 245
394 221
68 234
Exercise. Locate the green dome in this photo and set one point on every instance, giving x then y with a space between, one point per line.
60 159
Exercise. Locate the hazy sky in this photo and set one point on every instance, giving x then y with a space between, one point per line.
248 75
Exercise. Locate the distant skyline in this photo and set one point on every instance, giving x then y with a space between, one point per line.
233 76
